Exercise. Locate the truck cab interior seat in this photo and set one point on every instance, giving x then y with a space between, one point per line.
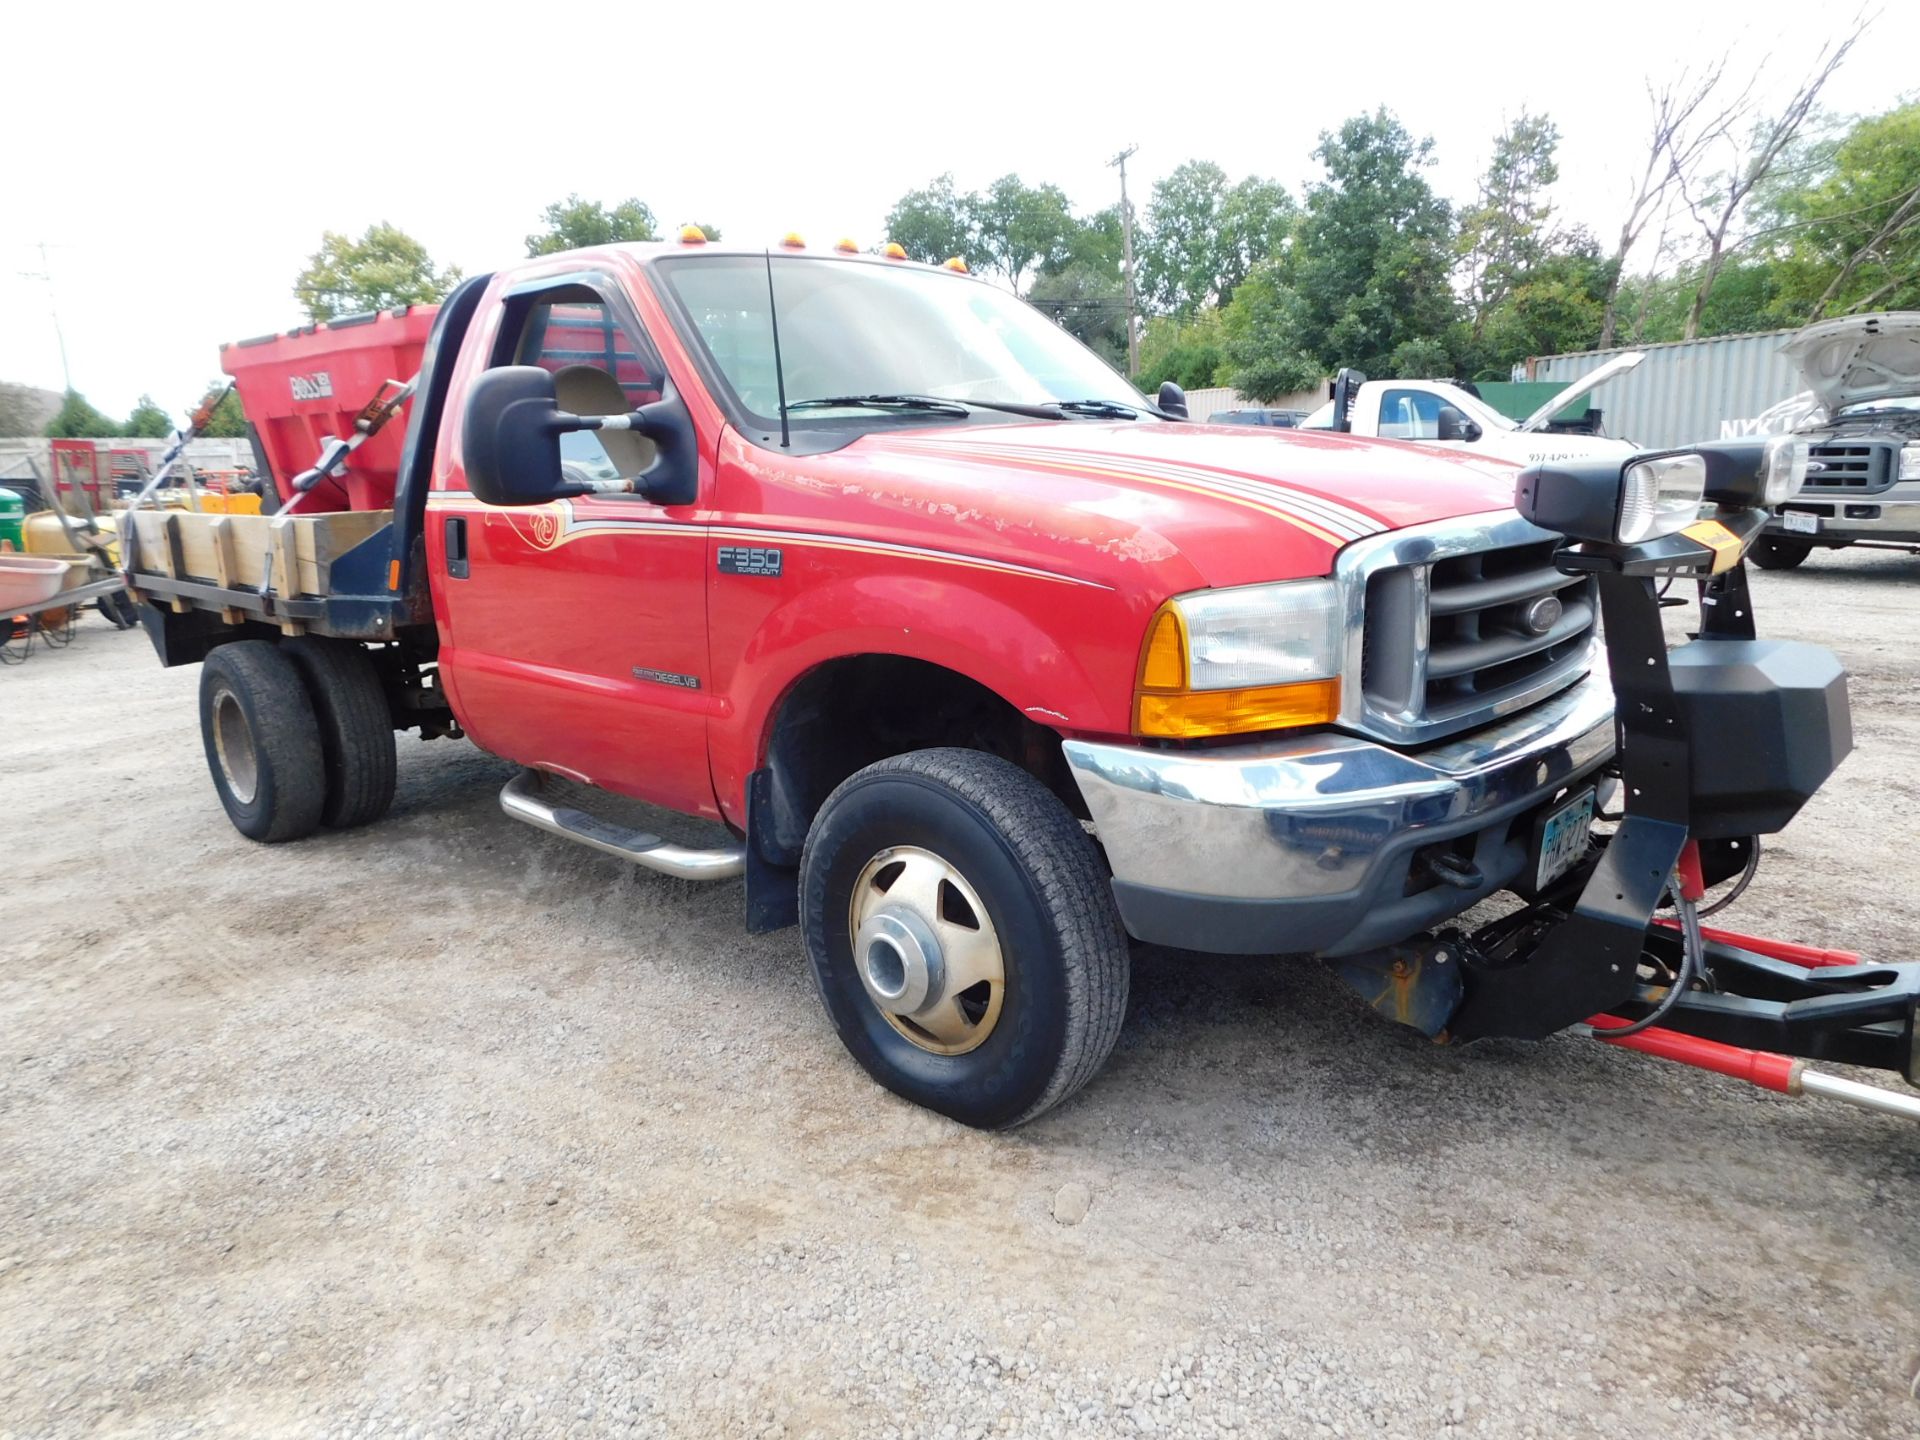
589 390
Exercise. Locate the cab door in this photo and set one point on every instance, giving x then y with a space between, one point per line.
573 634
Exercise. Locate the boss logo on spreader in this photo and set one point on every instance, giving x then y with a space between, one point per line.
317 386
763 560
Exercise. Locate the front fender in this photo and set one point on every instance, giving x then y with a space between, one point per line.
1061 652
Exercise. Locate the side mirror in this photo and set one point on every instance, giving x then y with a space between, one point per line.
511 436
1173 400
1454 424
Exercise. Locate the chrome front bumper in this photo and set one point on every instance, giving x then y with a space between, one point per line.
1890 514
1312 844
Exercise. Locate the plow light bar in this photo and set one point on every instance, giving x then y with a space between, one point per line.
1659 494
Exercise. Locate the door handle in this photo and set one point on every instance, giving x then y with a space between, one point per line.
457 546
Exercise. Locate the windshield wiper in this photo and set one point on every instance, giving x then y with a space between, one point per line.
1111 409
929 404
879 402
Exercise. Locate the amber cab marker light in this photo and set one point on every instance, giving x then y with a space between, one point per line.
692 235
792 241
894 250
956 263
847 247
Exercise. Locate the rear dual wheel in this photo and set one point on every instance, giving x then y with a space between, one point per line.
963 935
297 736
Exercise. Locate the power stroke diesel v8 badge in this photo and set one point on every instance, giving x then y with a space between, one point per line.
761 560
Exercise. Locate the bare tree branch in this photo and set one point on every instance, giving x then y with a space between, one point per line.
1674 106
1753 160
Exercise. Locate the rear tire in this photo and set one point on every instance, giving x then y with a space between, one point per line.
990 877
1771 552
356 728
263 742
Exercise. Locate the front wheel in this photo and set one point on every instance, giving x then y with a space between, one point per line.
963 935
1770 552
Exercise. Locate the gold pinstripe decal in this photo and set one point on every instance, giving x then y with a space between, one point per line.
550 526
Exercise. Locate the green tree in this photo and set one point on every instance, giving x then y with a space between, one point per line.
936 223
77 420
574 224
1095 243
385 267
1558 304
1508 231
1191 353
228 421
1089 303
1848 234
1200 235
149 421
1366 274
1263 330
1019 227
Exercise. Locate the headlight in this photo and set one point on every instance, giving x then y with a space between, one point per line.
1660 496
1910 462
1254 657
1783 470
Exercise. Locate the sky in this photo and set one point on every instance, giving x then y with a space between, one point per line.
180 162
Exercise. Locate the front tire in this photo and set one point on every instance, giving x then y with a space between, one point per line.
262 741
1770 552
963 935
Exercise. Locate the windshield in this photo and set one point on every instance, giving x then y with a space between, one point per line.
853 329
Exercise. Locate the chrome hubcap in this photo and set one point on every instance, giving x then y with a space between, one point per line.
925 950
233 744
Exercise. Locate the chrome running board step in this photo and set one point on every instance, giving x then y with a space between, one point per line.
521 799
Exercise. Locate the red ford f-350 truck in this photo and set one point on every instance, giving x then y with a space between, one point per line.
985 661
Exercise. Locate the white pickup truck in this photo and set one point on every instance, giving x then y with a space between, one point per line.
1438 412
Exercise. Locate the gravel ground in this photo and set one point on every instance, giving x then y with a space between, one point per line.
446 1127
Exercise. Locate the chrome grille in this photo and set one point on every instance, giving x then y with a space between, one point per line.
1850 467
1442 636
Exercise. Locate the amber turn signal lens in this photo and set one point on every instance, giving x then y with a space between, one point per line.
792 241
692 235
1196 713
1164 664
954 262
894 250
847 247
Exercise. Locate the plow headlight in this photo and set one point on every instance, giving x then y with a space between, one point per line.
1655 495
1249 658
1660 496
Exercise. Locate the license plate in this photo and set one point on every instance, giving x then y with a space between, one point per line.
1564 839
1798 522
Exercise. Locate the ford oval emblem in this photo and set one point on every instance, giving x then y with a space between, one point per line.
1542 615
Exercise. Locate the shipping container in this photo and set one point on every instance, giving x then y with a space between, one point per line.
1687 391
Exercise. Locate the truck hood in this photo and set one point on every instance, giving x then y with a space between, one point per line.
1859 358
1585 385
1237 505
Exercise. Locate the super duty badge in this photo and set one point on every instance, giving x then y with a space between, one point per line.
760 560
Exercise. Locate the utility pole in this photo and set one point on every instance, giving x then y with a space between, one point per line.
1126 251
46 273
